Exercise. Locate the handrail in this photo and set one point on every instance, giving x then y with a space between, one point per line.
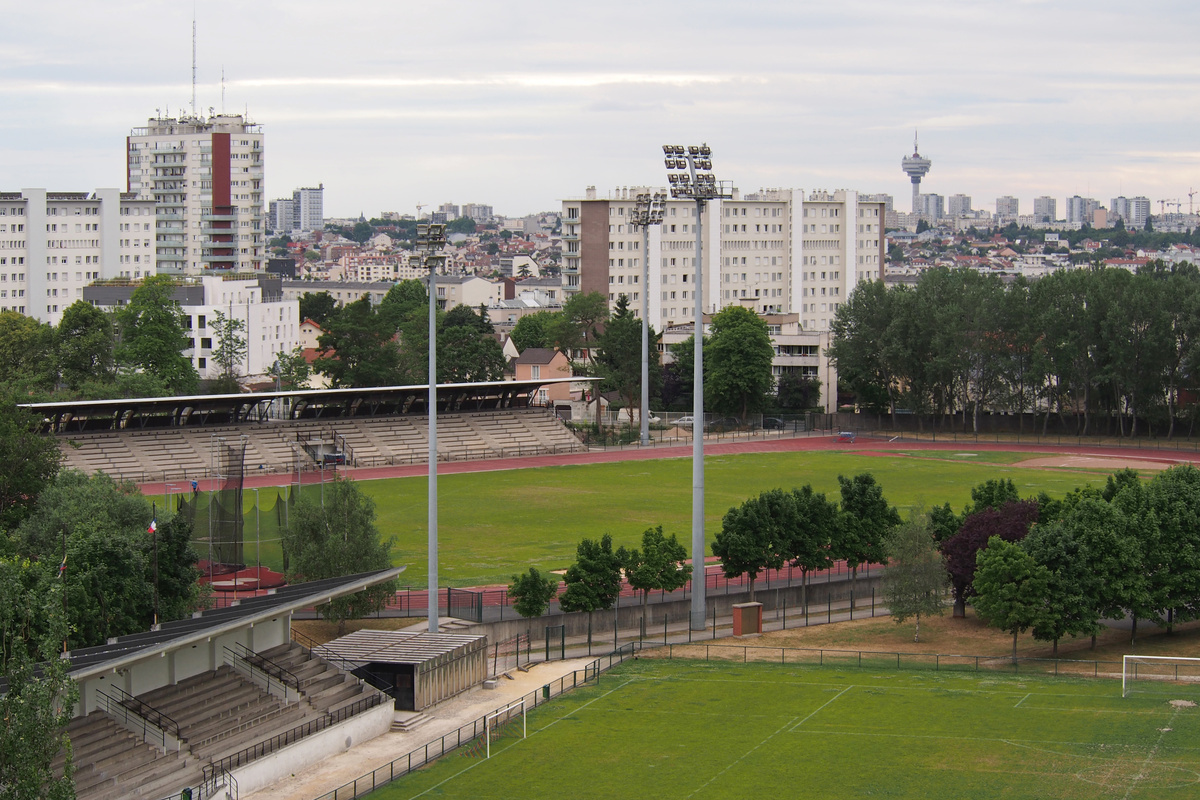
318 650
151 717
284 677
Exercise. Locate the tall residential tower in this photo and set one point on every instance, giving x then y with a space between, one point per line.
206 177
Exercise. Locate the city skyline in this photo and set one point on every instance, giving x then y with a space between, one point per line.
390 105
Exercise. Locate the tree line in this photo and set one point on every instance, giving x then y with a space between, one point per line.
1112 349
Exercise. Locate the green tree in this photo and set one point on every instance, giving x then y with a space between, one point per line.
467 348
593 582
532 592
407 298
1011 522
619 357
461 225
152 335
291 369
861 347
578 328
656 567
795 391
231 349
533 330
737 363
40 696
753 536
338 537
915 580
30 460
84 345
1011 589
362 232
360 347
809 533
26 353
865 523
317 306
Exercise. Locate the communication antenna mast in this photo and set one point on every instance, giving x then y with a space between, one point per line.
222 90
193 60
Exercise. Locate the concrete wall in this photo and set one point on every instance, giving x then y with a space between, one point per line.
628 616
314 748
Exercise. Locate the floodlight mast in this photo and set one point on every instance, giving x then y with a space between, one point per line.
694 180
431 240
648 210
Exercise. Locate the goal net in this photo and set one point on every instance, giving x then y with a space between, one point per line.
1160 675
507 723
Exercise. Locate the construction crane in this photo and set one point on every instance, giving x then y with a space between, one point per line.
1191 194
420 205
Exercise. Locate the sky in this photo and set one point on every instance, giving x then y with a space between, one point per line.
520 105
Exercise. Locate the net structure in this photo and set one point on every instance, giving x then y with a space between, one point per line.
507 723
1159 674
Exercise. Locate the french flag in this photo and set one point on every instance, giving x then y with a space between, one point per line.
153 526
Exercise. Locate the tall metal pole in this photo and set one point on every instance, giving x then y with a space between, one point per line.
433 453
645 415
698 550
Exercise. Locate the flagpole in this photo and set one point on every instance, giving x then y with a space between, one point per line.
154 538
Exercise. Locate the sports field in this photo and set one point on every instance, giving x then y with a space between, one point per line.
685 729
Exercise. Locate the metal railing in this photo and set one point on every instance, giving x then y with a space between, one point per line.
154 725
415 759
317 650
270 671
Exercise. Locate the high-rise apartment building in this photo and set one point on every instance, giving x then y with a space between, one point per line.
206 177
1007 207
53 244
775 252
478 212
279 216
308 209
1045 209
931 206
1080 210
959 205
1133 211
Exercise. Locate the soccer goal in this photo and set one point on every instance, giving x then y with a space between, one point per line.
507 723
1158 673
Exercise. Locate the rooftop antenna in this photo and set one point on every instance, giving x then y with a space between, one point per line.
193 60
222 90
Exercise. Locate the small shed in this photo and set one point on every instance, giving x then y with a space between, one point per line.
417 669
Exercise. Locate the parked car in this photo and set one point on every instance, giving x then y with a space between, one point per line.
773 424
685 421
725 424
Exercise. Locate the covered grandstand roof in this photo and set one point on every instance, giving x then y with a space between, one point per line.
122 650
263 407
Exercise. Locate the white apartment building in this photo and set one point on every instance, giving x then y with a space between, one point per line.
1007 207
1133 211
272 321
775 252
206 176
959 205
53 244
308 209
1081 209
279 216
1045 209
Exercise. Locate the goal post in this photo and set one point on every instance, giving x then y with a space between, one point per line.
1157 670
501 722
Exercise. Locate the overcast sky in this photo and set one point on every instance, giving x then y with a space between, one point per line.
522 104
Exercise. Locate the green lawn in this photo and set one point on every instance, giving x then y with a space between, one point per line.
676 729
494 524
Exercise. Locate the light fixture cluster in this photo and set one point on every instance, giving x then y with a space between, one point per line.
431 241
648 209
693 178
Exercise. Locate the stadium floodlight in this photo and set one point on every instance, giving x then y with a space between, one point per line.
693 180
648 210
431 241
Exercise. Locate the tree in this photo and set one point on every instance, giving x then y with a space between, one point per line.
1011 589
533 330
231 349
291 369
467 348
336 538
532 592
593 582
657 565
84 345
362 232
40 696
737 363
578 328
808 533
461 225
317 306
152 335
30 460
753 536
795 391
619 358
406 298
359 347
865 522
916 575
1010 522
26 353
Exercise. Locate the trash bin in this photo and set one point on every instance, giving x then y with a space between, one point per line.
546 692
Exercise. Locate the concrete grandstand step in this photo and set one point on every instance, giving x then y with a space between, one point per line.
241 737
406 721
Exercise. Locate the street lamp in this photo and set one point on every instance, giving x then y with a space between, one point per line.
647 210
689 173
431 241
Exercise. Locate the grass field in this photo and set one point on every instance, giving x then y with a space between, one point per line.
678 729
494 524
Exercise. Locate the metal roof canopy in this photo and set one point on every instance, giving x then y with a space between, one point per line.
308 404
402 647
123 650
